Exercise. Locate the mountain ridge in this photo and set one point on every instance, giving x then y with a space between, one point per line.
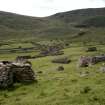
60 25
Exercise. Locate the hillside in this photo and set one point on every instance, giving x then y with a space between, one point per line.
77 16
98 21
61 25
66 51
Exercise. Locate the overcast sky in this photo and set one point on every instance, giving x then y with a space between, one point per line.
42 8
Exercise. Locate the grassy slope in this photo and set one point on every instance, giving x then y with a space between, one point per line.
59 88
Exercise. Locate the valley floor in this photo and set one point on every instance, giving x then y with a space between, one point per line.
54 87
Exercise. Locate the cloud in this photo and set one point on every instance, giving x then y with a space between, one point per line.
47 7
49 0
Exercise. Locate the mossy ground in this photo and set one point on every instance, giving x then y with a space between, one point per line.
59 87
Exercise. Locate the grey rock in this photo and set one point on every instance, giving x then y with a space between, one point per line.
60 68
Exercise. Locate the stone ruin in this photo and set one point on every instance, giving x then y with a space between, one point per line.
62 60
11 72
47 51
52 50
86 61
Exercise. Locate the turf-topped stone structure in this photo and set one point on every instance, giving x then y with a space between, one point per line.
15 72
86 61
62 60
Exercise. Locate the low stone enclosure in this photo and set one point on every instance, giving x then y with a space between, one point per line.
51 51
11 72
85 61
62 60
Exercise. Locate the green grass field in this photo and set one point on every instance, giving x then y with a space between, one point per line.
59 87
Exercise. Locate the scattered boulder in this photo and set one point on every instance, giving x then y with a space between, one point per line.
84 74
91 49
39 72
63 60
85 90
60 68
84 61
97 59
81 33
102 69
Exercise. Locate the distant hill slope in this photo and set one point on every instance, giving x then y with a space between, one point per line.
98 21
79 15
61 25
